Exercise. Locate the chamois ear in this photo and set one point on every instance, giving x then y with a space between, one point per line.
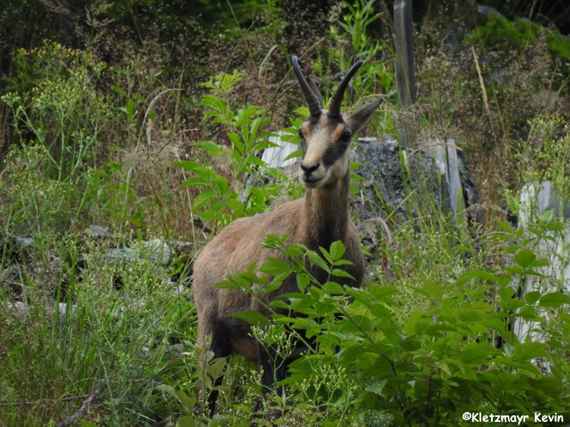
359 118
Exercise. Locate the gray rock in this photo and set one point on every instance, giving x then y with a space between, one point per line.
156 251
122 255
65 309
23 242
488 11
538 199
95 231
276 156
181 247
19 309
383 168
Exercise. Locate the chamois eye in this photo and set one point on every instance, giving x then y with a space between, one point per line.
302 142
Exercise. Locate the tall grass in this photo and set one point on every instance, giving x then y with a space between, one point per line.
124 331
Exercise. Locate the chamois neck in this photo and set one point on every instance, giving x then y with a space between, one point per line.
326 214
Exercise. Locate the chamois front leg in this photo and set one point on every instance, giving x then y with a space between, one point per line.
213 338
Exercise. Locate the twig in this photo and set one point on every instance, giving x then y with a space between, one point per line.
149 109
83 409
380 220
481 83
264 61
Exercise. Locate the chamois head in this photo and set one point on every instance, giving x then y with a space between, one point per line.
326 135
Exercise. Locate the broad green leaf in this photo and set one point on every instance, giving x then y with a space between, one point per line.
250 316
529 350
554 300
326 255
525 258
337 272
295 154
532 297
482 275
475 353
333 288
315 259
303 281
275 266
337 250
211 148
276 282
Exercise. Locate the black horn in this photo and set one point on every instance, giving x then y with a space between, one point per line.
310 97
334 108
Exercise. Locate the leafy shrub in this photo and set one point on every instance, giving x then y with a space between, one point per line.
350 39
519 33
55 103
225 197
413 355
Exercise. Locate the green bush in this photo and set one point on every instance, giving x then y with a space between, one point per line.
403 353
54 99
225 197
519 33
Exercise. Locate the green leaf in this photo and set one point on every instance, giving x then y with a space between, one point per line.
525 258
295 155
507 295
211 148
295 250
276 282
475 353
326 255
186 421
251 317
303 281
377 387
187 401
482 275
315 259
341 273
554 300
274 241
243 280
216 368
532 297
529 350
333 288
337 250
275 266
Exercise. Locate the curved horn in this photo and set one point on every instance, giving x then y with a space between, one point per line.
334 108
310 97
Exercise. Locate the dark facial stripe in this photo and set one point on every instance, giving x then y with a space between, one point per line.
335 151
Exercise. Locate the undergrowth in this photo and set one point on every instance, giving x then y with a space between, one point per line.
114 139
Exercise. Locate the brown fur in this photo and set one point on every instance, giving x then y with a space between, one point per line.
316 220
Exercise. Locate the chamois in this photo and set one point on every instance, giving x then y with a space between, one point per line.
316 220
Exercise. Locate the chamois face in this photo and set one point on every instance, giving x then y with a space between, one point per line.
325 143
326 135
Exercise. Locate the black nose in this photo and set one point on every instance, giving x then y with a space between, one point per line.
309 169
